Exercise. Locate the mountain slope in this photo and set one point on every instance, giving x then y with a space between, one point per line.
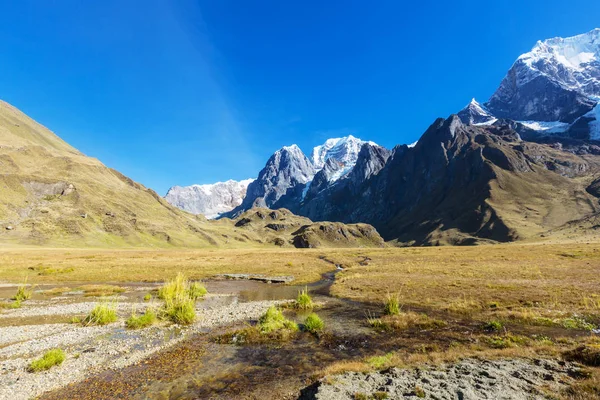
52 194
209 200
465 184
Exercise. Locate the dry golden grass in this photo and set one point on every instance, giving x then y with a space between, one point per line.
474 280
93 265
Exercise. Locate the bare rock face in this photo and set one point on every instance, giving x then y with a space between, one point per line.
209 200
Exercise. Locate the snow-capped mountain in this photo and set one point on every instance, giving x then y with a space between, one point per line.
289 175
210 200
554 89
343 150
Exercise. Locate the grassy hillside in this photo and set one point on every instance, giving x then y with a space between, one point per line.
53 195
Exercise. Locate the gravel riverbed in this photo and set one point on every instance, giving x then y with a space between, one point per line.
92 349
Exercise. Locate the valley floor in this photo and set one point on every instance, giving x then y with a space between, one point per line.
518 303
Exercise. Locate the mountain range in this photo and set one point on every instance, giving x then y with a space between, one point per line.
523 164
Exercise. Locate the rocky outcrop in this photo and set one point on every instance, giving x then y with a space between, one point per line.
335 234
282 228
467 379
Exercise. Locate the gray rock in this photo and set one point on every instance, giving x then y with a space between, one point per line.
513 379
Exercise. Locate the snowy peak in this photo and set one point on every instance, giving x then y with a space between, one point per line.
574 52
556 83
475 114
573 62
344 150
210 200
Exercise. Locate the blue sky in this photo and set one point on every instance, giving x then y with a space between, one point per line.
182 92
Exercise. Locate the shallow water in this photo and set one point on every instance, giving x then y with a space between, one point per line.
200 368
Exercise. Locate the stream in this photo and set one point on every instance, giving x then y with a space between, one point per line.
200 368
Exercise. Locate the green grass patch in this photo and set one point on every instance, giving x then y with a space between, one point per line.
304 301
405 321
313 323
493 326
196 290
57 291
44 270
391 306
23 293
273 320
576 322
48 360
103 313
147 297
380 362
11 305
272 327
148 318
507 341
179 296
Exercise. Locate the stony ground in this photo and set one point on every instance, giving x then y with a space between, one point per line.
514 379
91 349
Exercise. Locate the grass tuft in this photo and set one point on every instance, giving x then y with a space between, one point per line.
379 362
148 318
419 392
392 305
23 293
273 320
179 298
57 291
507 341
48 360
102 314
493 326
304 301
196 290
313 323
